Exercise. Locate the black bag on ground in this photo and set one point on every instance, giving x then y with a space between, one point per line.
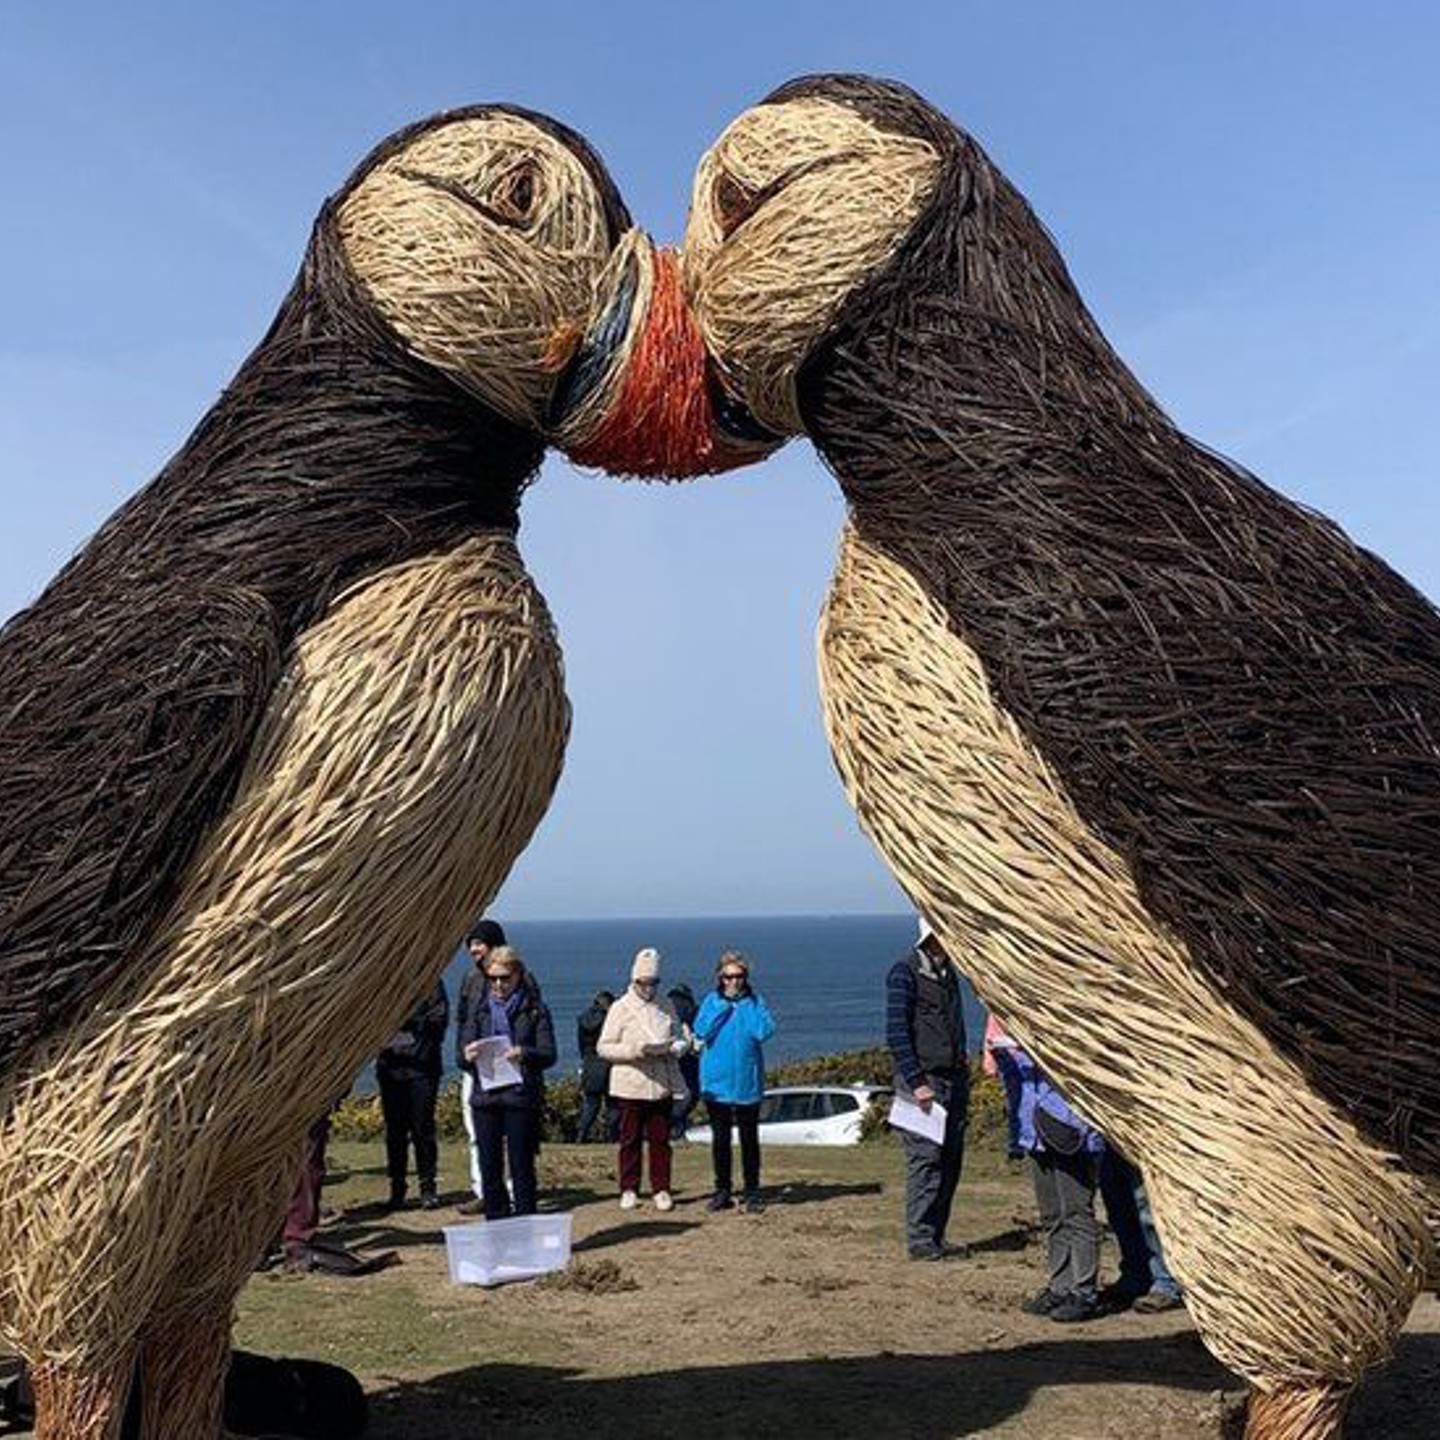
271 1399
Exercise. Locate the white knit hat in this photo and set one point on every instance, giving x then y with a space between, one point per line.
647 964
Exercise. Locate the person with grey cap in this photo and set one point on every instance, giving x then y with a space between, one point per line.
925 1030
642 1040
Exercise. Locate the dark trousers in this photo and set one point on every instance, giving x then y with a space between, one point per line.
507 1132
933 1171
1065 1195
591 1104
408 1104
644 1122
682 1106
302 1215
1127 1208
745 1118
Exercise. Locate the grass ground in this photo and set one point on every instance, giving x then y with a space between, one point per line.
804 1321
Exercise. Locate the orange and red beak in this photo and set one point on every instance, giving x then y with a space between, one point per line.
638 396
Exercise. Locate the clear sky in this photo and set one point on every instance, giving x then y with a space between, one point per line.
1248 196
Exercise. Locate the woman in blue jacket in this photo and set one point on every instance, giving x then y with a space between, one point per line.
733 1023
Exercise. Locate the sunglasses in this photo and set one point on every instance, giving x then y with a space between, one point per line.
504 977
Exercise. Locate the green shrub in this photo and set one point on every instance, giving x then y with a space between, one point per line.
359 1118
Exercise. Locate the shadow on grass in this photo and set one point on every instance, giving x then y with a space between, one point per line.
878 1397
807 1192
634 1230
1018 1237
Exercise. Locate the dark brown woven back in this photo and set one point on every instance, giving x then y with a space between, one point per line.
129 692
1243 702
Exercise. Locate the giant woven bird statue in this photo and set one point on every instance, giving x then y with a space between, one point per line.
278 732
1156 749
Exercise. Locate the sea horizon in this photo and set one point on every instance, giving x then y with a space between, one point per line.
822 974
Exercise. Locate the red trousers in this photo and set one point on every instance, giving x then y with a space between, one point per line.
644 1121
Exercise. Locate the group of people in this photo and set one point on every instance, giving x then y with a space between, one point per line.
647 1058
1070 1160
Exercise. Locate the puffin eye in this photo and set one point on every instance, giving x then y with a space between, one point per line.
513 196
734 203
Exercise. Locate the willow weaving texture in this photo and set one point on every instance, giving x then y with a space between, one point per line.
1234 705
1236 1148
370 821
270 742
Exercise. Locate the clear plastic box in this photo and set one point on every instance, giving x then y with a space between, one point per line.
498 1251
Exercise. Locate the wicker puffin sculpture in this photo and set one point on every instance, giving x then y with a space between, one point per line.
1155 749
278 732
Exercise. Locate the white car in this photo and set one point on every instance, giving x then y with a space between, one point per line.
809 1115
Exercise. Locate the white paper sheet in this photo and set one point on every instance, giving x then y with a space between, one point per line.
929 1124
491 1066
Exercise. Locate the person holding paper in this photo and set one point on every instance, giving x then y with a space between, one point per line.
509 1041
925 1030
474 989
642 1040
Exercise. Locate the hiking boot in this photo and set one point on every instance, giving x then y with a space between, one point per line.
720 1200
396 1200
955 1250
1157 1302
752 1204
664 1200
927 1252
471 1207
628 1199
1042 1302
429 1200
1117 1298
1075 1308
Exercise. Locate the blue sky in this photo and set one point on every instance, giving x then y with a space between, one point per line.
1248 196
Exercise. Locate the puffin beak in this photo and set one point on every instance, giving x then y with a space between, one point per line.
636 396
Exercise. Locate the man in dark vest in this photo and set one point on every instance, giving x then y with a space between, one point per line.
925 1030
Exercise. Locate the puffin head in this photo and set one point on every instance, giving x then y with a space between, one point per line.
799 207
481 237
493 245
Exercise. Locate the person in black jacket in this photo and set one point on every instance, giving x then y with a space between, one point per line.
507 1116
486 935
682 997
925 1031
408 1069
594 1072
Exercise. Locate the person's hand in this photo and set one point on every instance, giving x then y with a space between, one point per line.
679 1047
472 1051
515 1054
924 1097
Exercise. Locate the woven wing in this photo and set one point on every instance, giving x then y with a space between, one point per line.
126 710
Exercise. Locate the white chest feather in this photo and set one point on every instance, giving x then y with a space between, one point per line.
1048 923
403 764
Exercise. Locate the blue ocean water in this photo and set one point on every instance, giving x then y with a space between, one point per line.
823 976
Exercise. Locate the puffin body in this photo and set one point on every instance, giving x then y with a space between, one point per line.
276 736
1155 750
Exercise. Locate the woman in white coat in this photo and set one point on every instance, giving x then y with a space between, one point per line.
642 1040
